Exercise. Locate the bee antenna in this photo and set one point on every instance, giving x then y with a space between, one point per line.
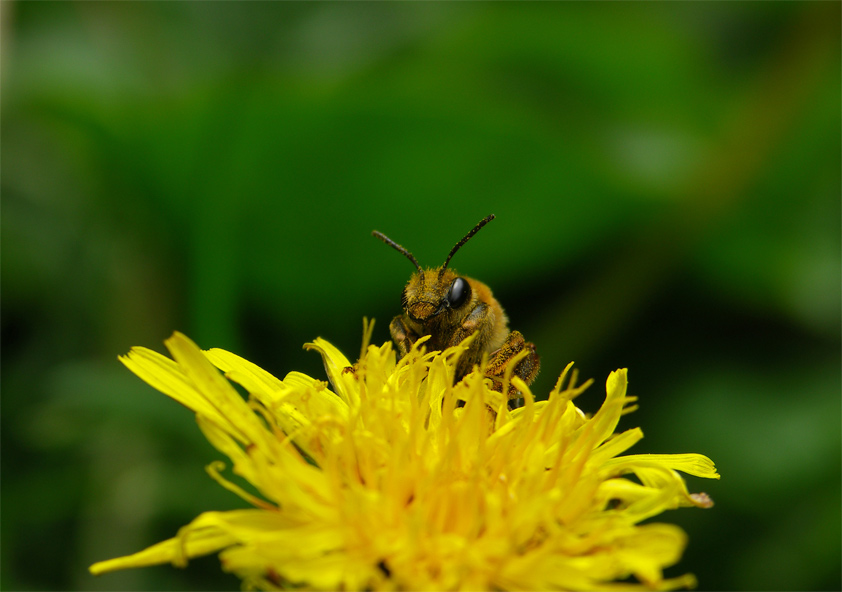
476 228
398 248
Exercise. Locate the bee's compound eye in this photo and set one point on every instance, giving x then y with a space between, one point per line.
460 292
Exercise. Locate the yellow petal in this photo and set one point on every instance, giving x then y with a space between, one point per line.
241 421
337 367
165 375
208 533
692 464
252 377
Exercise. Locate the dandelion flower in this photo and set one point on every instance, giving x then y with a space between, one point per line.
391 477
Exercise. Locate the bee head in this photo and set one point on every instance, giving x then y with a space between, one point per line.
429 294
434 291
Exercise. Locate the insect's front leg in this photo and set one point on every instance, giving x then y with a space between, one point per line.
481 322
403 336
526 369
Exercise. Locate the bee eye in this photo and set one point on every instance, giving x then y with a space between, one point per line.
460 292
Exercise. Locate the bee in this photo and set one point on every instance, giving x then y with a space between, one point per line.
449 307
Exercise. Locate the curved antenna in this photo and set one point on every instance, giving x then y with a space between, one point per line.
476 228
398 248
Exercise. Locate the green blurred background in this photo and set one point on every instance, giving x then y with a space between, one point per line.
666 180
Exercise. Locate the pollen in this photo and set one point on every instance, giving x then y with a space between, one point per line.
391 477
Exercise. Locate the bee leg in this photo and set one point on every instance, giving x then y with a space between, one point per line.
403 336
477 322
526 369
